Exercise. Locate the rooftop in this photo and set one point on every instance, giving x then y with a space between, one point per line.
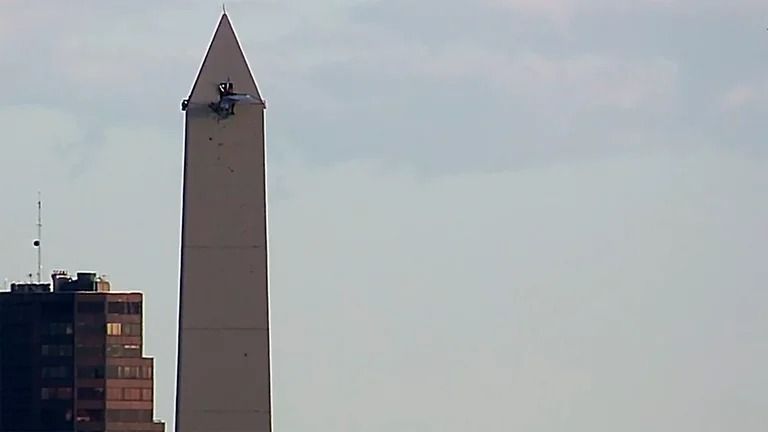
62 282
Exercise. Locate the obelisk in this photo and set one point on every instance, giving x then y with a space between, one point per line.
223 381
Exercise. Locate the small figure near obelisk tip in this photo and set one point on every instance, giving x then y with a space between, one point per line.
228 98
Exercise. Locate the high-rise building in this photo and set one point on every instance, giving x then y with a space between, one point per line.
71 358
224 362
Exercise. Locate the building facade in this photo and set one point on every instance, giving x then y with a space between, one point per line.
71 358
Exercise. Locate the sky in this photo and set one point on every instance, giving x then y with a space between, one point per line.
539 215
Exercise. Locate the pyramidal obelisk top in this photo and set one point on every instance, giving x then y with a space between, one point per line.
223 61
223 375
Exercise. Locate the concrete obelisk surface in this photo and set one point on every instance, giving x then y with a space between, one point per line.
223 382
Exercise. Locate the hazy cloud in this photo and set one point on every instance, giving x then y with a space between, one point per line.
558 10
744 95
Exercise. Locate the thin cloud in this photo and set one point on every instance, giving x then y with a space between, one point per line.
563 11
745 95
586 80
556 10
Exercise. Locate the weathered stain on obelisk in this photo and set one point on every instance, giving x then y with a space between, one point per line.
223 360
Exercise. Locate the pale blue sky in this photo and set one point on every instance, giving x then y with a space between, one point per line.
539 215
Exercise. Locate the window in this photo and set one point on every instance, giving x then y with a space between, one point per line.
64 393
90 325
90 307
130 308
114 350
59 328
116 307
120 350
55 372
132 329
91 372
132 394
146 394
114 393
57 308
56 350
112 372
89 415
131 351
129 416
90 393
114 329
60 393
134 308
91 352
129 372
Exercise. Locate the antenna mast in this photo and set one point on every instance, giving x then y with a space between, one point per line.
37 242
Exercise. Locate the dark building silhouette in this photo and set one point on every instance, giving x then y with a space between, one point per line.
71 358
